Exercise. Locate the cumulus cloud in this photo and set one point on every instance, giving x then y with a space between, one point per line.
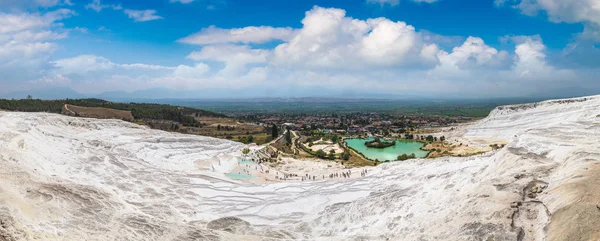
142 15
26 39
251 34
569 11
582 51
474 53
329 39
529 53
235 57
331 51
27 42
12 23
525 72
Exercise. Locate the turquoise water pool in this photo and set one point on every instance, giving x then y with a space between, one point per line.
389 153
246 162
238 176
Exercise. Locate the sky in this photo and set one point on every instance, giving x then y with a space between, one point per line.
276 48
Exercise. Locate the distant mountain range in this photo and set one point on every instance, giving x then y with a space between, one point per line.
164 95
307 95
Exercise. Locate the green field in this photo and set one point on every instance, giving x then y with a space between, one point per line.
470 108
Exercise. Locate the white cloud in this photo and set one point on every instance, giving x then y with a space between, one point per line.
527 72
330 51
11 23
471 68
591 32
252 34
83 64
582 50
93 70
145 66
569 11
529 55
199 70
26 40
228 53
382 2
329 39
181 1
19 4
97 6
474 53
57 80
235 57
396 2
499 3
142 15
80 29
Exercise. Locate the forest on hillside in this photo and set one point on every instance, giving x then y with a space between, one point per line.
183 115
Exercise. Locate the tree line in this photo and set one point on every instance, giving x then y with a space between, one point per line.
140 111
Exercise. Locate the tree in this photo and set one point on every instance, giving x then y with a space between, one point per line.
331 156
334 138
274 132
29 97
402 157
346 155
442 138
320 153
288 136
429 138
246 151
219 127
331 151
250 139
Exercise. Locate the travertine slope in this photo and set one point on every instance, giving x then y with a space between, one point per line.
65 178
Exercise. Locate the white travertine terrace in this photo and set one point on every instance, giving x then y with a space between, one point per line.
66 178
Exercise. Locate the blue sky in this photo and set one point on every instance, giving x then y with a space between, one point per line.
233 48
